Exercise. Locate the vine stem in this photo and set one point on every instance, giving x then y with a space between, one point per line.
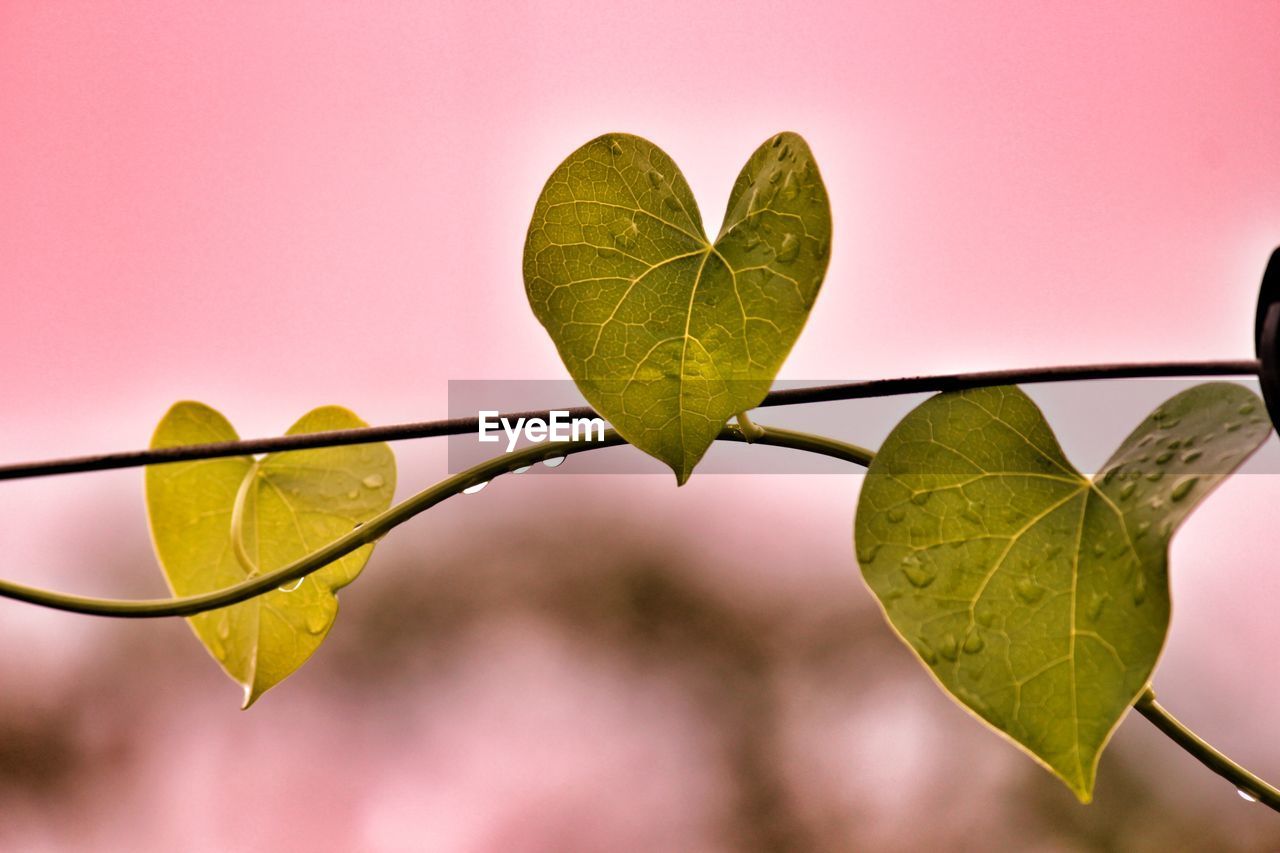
787 397
1246 783
383 523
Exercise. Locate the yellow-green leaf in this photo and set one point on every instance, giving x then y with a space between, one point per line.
1037 597
217 522
667 334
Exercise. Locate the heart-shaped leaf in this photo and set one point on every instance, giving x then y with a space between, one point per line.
1037 597
217 522
667 334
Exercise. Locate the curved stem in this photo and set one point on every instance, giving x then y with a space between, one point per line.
787 397
1246 783
381 524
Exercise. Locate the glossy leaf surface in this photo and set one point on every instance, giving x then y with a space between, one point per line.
217 522
666 333
1037 597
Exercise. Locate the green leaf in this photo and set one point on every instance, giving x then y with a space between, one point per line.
1038 598
666 334
217 522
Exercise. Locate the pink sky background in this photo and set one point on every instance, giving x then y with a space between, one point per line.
273 206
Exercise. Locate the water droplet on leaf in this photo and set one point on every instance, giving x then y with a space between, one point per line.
1183 487
918 574
373 481
291 585
926 652
553 462
316 620
1028 590
789 250
471 490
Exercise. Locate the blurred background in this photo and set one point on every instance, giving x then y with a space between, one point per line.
274 206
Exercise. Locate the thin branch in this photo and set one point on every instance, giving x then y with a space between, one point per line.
788 397
383 523
1246 783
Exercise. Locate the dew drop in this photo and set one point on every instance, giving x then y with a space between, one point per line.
655 178
789 250
784 153
316 621
974 643
1192 456
626 238
671 204
949 648
1246 409
777 140
1143 527
373 481
774 177
790 188
290 587
553 462
615 149
986 618
1183 487
353 494
1246 796
1233 426
896 515
919 575
970 516
921 498
1126 491
520 470
471 490
1029 591
224 626
1096 603
868 555
1164 457
926 652
1111 474
1140 588
1155 475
